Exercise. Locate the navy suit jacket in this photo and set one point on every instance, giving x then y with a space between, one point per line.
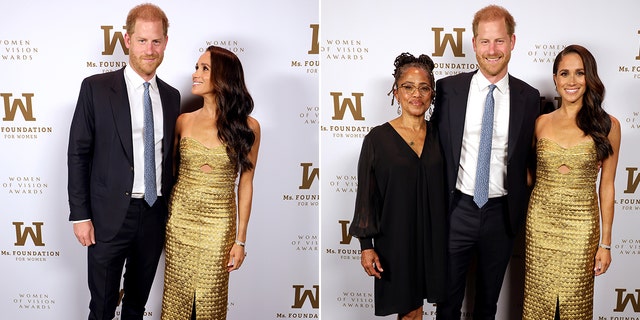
449 115
100 154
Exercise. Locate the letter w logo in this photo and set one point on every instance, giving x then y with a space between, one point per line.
10 109
36 236
440 43
632 180
638 56
623 300
340 109
301 296
346 238
308 177
315 45
110 43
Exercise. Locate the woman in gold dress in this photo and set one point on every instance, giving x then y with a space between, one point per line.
207 228
568 231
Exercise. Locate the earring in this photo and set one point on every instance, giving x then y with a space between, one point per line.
399 110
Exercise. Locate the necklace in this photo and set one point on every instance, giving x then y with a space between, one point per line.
415 136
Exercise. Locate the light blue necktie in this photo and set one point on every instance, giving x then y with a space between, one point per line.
150 190
481 191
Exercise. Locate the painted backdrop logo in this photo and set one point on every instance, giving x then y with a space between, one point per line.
310 62
302 297
11 107
24 185
341 105
303 197
629 202
21 105
623 299
17 50
344 249
627 246
347 50
28 238
444 42
634 67
111 42
35 233
34 301
305 243
344 183
545 53
113 47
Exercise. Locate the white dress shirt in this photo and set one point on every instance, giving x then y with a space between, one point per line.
471 137
135 88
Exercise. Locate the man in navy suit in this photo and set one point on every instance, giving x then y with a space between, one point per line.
485 230
106 166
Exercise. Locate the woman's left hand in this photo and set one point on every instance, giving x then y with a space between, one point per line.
236 257
602 261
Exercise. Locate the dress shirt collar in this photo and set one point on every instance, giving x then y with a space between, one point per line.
135 80
483 84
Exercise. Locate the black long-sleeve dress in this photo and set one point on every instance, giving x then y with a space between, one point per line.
401 212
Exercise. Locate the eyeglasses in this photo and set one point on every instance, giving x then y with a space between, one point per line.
411 89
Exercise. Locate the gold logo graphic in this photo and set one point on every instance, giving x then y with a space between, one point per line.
301 296
308 176
339 109
623 299
632 180
346 238
24 106
315 42
441 42
638 56
110 43
21 235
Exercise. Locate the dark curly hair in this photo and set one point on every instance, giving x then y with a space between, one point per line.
591 118
234 106
406 60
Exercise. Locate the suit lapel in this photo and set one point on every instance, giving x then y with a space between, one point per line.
458 110
168 121
516 114
119 103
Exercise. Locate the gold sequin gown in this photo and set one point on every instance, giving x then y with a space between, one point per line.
562 233
200 233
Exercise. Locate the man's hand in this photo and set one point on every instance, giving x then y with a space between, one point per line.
84 233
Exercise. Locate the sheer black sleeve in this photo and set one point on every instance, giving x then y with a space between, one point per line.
366 218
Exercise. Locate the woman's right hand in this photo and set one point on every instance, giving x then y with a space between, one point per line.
371 263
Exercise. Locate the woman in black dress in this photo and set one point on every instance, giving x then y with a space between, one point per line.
400 215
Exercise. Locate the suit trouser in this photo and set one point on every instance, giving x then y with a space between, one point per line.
479 232
137 247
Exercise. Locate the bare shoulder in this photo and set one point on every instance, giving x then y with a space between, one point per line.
253 124
542 124
614 122
615 131
543 119
183 122
187 117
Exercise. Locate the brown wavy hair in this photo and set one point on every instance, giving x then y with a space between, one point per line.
591 119
234 106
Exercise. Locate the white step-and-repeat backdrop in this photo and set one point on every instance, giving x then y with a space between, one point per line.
48 47
297 243
358 43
